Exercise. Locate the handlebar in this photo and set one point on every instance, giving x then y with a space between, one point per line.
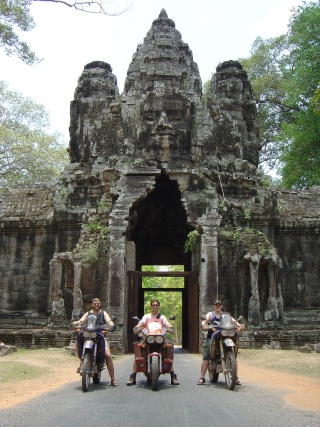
109 328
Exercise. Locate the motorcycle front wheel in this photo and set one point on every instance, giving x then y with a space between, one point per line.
231 370
96 377
86 364
154 372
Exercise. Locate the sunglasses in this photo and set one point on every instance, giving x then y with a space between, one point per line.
155 305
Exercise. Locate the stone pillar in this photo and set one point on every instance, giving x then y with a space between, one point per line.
272 311
77 311
131 256
58 313
209 284
254 302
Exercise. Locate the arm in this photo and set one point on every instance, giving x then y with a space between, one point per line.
83 318
239 327
109 325
138 328
107 319
205 323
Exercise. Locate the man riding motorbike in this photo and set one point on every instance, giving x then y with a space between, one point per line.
103 318
206 326
155 305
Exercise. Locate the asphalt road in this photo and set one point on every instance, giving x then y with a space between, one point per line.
186 405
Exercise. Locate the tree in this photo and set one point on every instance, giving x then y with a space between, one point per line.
15 15
28 153
105 7
285 74
171 302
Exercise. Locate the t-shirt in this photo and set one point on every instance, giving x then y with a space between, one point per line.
147 317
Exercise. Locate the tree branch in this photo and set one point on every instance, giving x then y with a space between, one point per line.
93 6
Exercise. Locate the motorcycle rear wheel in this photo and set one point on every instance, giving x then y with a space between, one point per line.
86 364
214 376
231 370
154 372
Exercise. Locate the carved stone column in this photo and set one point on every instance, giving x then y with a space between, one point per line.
254 302
58 313
209 286
77 311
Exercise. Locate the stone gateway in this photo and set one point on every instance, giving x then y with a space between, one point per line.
149 169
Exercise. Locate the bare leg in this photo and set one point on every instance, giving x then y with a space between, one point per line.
203 370
110 366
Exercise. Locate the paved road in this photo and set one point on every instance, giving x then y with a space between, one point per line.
186 405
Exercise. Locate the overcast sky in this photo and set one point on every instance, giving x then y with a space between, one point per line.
67 40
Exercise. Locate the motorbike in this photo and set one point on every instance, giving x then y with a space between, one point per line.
153 353
224 350
91 349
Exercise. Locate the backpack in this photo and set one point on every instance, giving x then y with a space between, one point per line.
157 327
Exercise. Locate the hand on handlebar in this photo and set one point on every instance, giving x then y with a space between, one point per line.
109 328
76 324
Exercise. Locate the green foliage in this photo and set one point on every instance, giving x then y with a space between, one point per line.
315 100
90 254
28 154
247 214
14 17
192 239
301 157
285 74
171 302
95 226
237 235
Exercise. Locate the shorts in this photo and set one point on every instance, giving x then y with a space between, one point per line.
206 349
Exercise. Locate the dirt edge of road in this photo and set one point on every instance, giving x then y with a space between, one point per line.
59 369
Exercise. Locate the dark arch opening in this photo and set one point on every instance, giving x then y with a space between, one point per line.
159 229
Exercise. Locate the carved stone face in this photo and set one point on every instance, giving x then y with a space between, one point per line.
163 127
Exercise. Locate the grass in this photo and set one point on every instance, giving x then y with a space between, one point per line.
288 361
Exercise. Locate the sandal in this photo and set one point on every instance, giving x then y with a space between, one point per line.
79 370
201 381
114 383
237 381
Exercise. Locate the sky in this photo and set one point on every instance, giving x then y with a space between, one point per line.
67 40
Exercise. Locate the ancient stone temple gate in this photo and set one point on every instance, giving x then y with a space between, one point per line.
147 168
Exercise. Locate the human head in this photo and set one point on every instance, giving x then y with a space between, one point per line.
218 304
153 302
96 303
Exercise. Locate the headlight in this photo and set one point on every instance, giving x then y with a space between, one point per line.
150 339
159 339
88 334
225 333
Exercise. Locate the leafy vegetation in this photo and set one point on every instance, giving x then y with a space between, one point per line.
29 154
192 239
14 17
171 302
285 74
